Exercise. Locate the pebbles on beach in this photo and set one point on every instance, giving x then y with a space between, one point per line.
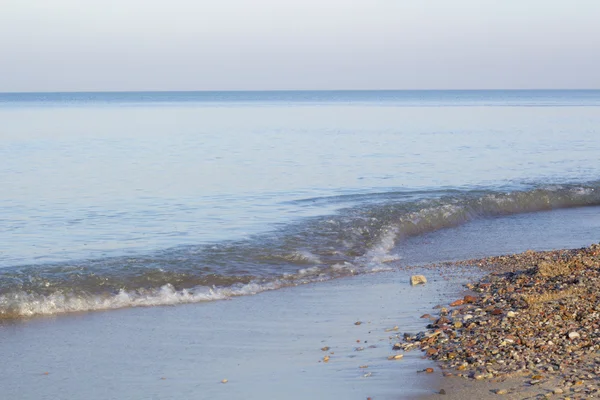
537 315
417 280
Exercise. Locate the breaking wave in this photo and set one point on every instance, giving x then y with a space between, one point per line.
357 239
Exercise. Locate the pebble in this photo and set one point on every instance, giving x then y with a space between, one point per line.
418 280
396 357
224 381
501 391
534 311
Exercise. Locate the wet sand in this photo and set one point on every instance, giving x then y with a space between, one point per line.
267 346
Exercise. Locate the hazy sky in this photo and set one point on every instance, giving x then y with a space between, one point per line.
79 45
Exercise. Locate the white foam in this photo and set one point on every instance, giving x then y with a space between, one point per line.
26 305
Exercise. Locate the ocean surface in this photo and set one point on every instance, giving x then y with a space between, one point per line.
116 200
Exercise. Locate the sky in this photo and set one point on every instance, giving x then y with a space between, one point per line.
130 45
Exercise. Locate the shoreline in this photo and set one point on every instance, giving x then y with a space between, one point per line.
529 328
194 347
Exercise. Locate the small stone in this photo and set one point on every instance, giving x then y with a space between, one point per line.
511 314
558 391
431 351
223 381
357 323
429 370
326 348
470 299
501 391
442 391
458 302
326 358
497 311
364 366
417 280
574 335
535 381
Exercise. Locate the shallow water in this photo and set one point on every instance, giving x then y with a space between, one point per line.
268 345
135 199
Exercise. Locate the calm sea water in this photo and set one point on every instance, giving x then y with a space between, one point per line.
112 200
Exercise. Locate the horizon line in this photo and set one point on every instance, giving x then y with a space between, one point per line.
291 90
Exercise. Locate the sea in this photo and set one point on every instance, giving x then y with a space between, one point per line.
259 245
129 199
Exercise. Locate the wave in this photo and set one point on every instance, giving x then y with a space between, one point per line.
354 240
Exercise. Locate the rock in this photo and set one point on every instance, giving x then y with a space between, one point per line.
431 351
224 381
511 314
357 323
458 302
574 335
442 391
326 358
470 299
501 391
429 370
417 280
326 348
558 391
497 311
